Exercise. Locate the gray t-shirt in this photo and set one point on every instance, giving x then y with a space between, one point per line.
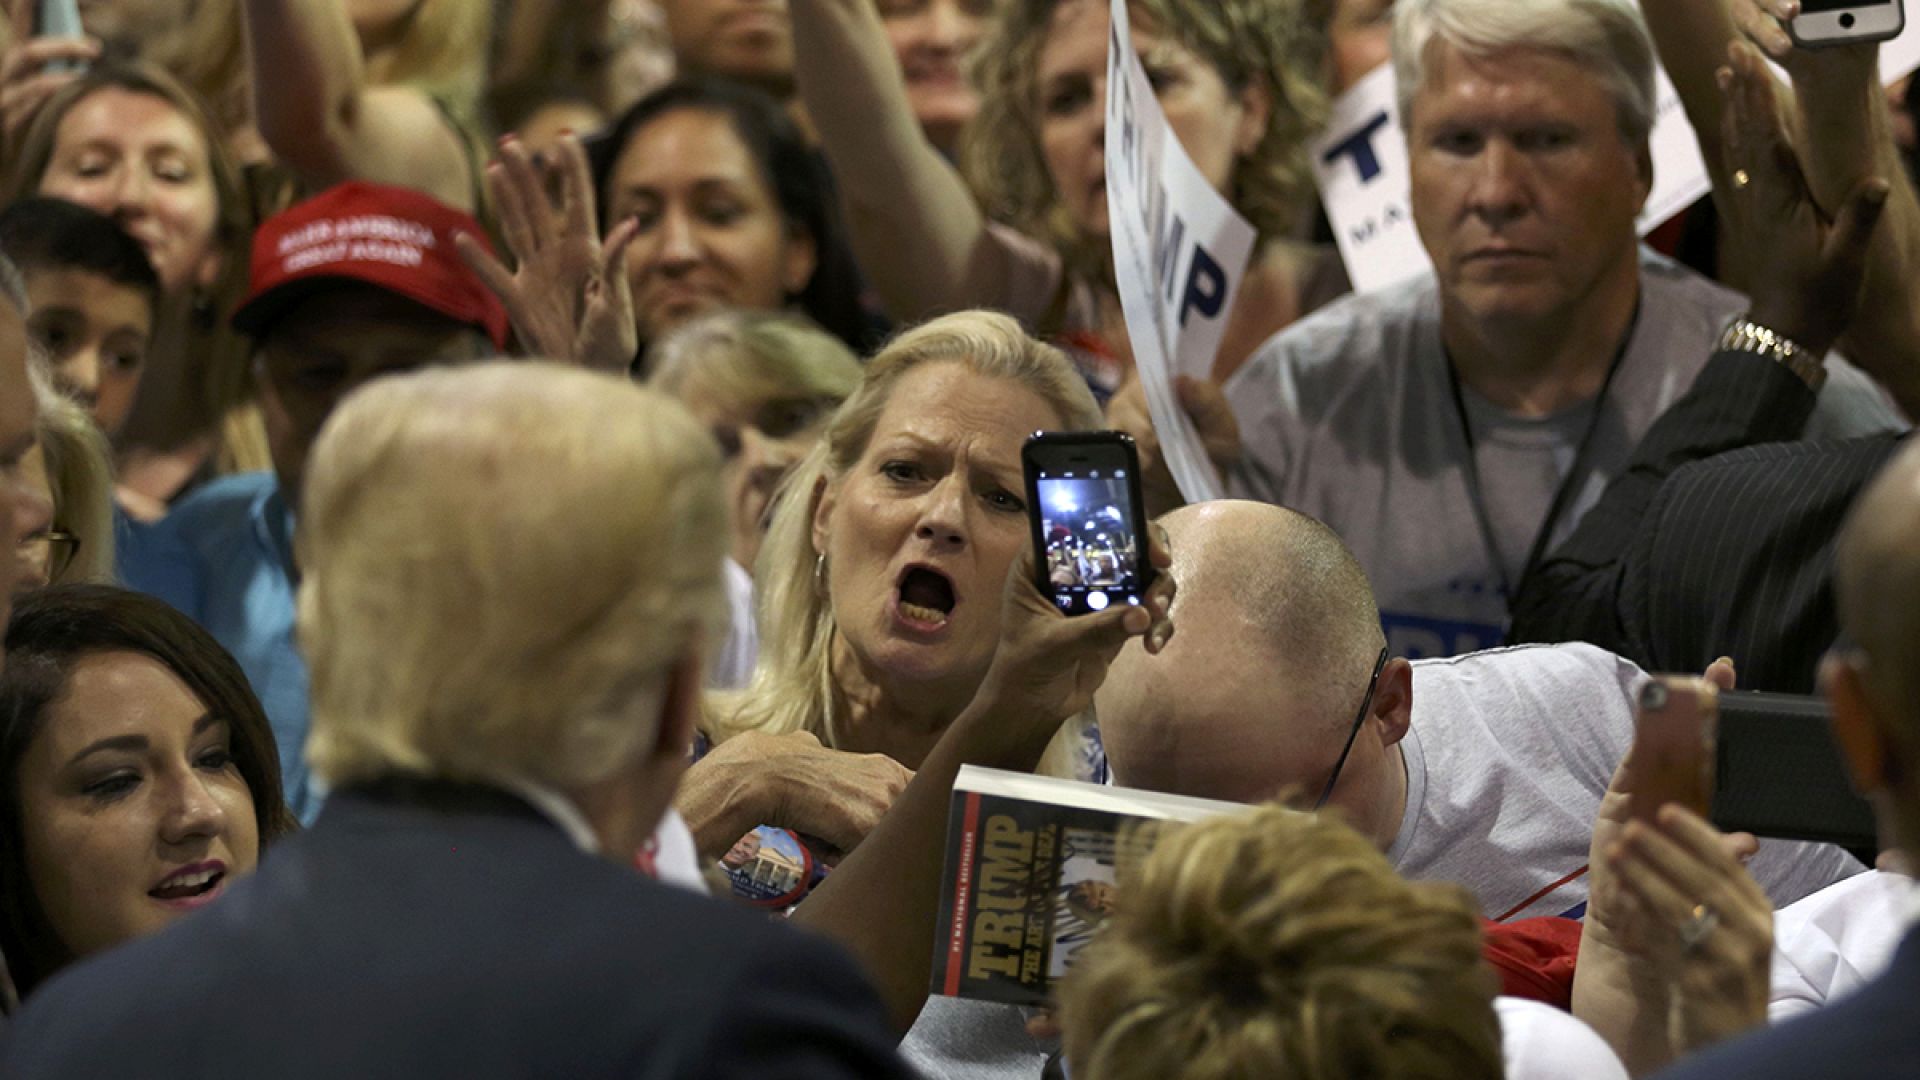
1347 416
1508 754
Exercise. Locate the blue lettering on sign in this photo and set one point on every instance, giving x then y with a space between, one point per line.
1359 146
1418 637
1167 243
1206 287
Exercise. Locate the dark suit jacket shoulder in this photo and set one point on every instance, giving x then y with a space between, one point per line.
470 939
1870 1034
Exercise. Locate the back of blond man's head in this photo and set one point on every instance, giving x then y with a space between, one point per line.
1274 943
503 564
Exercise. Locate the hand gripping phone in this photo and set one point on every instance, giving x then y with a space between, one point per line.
1673 745
1846 22
60 18
1089 523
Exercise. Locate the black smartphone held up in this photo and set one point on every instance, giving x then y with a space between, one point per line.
1845 22
1089 523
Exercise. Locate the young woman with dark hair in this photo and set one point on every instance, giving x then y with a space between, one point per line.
138 776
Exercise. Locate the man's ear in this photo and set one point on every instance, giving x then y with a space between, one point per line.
823 500
1854 729
1393 701
680 704
1643 171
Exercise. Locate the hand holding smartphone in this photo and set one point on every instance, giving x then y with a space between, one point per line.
1673 745
1847 22
1089 523
60 19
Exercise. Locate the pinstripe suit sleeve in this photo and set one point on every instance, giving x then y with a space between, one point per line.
1737 560
1738 399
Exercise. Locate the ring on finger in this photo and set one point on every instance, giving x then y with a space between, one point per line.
1696 928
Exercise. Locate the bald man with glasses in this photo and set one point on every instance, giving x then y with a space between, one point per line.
1485 769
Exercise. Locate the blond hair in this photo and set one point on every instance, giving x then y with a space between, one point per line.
792 688
1266 43
80 477
1274 943
747 357
502 564
443 53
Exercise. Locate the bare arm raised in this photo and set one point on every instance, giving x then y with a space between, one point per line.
323 118
1846 139
915 227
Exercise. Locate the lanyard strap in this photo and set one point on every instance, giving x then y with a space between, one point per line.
1562 496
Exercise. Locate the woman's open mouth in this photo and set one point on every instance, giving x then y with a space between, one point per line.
925 598
191 886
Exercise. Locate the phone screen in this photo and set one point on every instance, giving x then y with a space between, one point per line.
1087 545
1837 5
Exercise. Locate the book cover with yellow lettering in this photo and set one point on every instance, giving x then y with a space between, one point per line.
1032 871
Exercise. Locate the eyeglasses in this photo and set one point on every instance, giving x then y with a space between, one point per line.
1366 704
53 549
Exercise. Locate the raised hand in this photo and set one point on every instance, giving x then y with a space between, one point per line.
567 294
1764 23
1707 925
1807 287
1048 664
25 82
1212 418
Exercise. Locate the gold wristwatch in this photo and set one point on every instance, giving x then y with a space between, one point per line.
1745 335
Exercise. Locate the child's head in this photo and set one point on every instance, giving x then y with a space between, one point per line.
94 298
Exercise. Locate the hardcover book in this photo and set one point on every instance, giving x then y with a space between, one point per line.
1031 872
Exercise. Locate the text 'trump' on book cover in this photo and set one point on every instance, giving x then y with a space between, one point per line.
1030 874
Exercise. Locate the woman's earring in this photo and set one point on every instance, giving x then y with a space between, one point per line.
820 574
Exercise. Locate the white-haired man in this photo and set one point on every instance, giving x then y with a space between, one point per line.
1455 429
503 697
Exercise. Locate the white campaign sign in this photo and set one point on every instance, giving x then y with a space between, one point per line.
1361 167
1179 253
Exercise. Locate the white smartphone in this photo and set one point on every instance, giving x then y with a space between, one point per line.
1846 22
60 18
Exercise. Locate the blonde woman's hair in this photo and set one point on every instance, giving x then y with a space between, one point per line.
443 52
502 565
1274 943
1269 43
80 476
215 353
792 688
747 357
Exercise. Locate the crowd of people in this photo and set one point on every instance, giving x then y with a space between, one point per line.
519 524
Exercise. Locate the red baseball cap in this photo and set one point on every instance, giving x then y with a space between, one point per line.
392 238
